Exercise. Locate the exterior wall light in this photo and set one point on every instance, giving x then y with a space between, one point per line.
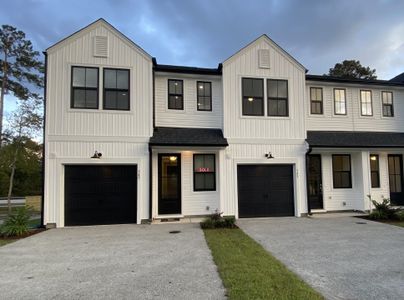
96 155
269 155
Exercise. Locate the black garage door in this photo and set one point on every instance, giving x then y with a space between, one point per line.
97 195
265 191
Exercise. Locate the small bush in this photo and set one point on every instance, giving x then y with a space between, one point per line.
399 215
216 220
382 210
378 215
16 223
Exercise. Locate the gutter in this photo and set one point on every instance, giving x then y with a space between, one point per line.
43 142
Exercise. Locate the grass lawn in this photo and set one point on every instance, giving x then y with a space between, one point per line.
396 223
5 242
248 271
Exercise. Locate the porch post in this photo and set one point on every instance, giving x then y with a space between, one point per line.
366 179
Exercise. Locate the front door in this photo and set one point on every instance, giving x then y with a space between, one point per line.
396 179
169 201
315 186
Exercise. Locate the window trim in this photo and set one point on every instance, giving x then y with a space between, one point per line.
335 106
168 94
214 172
361 103
378 171
104 89
263 97
72 88
278 98
392 104
333 171
321 102
197 96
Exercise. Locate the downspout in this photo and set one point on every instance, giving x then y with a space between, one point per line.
43 142
307 179
150 148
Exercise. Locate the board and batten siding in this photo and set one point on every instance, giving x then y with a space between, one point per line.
189 116
353 120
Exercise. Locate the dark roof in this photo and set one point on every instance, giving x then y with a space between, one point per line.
355 139
399 78
186 70
205 137
326 78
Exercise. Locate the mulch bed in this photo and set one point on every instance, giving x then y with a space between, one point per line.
29 233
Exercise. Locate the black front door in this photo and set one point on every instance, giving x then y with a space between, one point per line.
169 184
396 179
315 186
265 191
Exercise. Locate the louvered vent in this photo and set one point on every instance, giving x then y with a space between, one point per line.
101 46
263 58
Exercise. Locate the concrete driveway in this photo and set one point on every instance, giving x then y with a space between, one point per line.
337 256
111 262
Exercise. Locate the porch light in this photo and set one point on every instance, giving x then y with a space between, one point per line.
269 155
373 157
251 99
96 155
173 158
201 87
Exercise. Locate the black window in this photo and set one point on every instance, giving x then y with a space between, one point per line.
341 168
339 102
316 101
116 89
387 101
374 171
175 94
253 97
277 97
204 95
366 103
84 91
204 172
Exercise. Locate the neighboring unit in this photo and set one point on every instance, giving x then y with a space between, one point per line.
130 140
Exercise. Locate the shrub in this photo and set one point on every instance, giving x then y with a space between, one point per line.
378 215
16 223
382 210
399 215
216 220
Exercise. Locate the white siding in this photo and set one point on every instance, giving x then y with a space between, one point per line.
193 203
190 116
353 121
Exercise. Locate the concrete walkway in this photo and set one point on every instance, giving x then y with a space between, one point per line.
338 256
111 262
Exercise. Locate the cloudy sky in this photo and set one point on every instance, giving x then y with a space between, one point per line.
203 33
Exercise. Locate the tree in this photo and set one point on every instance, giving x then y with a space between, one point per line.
20 68
352 69
24 124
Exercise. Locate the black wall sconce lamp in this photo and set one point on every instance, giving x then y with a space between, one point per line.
269 155
96 155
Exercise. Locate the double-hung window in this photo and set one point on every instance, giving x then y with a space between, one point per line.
204 95
366 103
84 90
339 102
316 101
341 168
175 94
374 171
204 172
253 96
387 103
277 97
116 89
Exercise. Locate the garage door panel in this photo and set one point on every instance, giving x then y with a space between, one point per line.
265 190
100 195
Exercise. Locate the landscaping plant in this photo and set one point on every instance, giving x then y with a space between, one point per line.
17 223
382 210
216 220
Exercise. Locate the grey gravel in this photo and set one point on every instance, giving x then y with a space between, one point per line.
337 256
111 262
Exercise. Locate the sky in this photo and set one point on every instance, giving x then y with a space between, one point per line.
204 33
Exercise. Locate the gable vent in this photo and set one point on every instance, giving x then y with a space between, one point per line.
101 46
263 58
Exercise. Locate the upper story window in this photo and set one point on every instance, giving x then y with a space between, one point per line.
341 169
339 102
116 89
204 95
84 90
316 101
387 103
204 172
277 97
175 94
253 96
366 103
374 171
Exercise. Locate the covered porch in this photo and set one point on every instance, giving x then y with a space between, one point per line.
343 168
